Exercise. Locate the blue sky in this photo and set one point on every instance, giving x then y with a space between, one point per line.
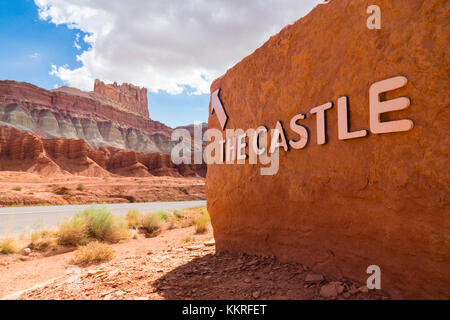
174 48
30 46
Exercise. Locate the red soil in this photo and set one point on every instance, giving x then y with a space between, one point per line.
22 188
166 267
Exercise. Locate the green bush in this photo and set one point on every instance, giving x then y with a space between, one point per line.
42 240
133 218
100 222
201 221
73 232
164 215
92 223
8 246
151 223
93 252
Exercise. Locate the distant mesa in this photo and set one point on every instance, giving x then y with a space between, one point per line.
127 96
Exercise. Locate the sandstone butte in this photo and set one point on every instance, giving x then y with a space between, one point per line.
68 131
343 206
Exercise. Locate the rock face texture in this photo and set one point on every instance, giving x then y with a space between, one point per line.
25 151
74 114
343 206
133 98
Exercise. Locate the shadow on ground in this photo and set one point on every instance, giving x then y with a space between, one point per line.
231 276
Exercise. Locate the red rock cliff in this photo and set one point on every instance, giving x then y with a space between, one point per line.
131 97
76 103
70 113
24 151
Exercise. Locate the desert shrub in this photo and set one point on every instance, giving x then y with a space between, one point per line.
42 239
80 187
73 232
195 216
92 223
101 225
17 188
201 221
119 231
93 252
133 218
151 223
177 214
173 221
164 215
8 246
99 221
188 239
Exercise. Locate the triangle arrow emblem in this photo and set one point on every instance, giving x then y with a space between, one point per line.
218 108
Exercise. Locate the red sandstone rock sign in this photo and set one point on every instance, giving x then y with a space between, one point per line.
343 206
235 146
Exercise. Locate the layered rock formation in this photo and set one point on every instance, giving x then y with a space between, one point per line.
25 151
84 133
345 205
132 98
74 114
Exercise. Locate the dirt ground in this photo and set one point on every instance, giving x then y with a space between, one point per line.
22 188
177 264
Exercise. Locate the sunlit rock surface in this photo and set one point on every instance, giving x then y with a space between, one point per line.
343 206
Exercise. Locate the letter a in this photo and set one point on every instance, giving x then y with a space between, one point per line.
374 21
374 281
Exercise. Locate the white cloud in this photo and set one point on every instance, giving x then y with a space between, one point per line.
76 43
34 55
166 45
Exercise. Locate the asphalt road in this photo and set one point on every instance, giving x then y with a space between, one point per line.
17 220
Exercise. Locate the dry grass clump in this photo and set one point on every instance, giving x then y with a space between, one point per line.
73 232
101 225
93 252
151 223
201 220
42 240
188 239
195 216
8 246
164 215
133 218
92 224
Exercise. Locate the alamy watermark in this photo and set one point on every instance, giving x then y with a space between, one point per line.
73 282
237 147
374 281
374 20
